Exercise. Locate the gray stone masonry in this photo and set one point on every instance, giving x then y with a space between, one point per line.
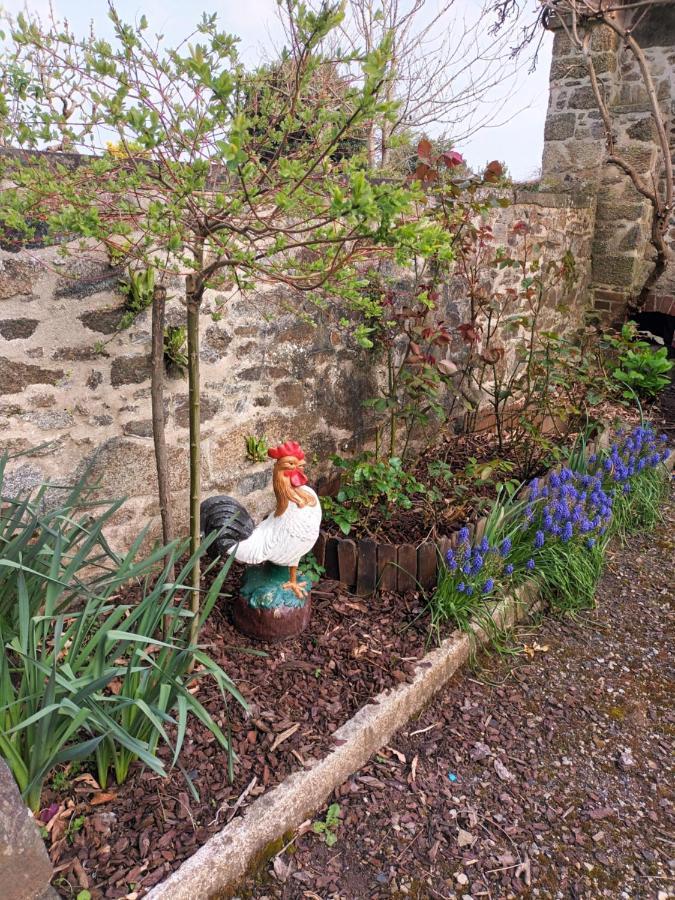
574 152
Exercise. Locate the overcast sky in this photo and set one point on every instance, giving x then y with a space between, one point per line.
516 137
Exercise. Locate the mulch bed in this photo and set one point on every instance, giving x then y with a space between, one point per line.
122 841
548 774
298 695
425 521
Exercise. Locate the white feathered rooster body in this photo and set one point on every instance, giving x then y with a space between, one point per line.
283 539
286 535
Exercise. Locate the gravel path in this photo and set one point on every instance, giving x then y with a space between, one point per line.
542 774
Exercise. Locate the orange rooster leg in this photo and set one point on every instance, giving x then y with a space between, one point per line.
292 585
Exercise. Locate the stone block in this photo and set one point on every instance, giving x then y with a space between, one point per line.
570 67
17 278
129 370
632 239
94 380
78 354
126 467
16 376
263 373
603 39
583 98
290 393
562 45
25 869
214 344
18 329
639 156
614 270
102 321
560 127
208 407
604 62
642 130
86 275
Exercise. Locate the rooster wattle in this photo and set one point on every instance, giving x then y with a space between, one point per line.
286 535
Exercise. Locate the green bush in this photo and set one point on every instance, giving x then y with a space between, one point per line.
369 486
83 674
642 369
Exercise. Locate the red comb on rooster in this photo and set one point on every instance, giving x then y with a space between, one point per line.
277 543
290 448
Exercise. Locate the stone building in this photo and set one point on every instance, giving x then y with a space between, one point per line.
574 152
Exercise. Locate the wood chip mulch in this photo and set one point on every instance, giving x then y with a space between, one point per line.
547 774
121 841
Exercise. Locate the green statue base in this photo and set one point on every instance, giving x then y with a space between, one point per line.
265 610
263 587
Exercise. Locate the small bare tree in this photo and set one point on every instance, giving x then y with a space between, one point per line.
446 72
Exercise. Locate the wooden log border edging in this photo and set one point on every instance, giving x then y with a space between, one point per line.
366 566
220 864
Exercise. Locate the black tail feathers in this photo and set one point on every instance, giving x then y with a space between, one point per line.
229 517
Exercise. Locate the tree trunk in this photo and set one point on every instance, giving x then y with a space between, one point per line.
193 304
385 144
157 399
372 146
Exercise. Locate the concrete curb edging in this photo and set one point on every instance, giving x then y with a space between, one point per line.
224 859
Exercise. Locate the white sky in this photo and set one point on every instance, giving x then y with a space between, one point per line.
516 138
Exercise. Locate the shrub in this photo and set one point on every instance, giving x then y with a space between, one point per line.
367 487
643 370
83 674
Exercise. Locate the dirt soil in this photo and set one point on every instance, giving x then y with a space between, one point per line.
546 774
125 839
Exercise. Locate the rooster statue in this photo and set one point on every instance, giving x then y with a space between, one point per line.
273 603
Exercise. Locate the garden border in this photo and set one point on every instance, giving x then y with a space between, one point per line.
224 860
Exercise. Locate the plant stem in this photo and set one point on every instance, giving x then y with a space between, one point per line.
193 299
157 400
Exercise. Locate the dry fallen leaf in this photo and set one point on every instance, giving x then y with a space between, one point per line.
465 838
502 771
284 736
281 868
89 780
399 756
104 797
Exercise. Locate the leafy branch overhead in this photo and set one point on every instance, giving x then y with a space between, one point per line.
243 170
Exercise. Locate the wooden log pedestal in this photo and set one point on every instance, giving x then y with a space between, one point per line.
270 625
266 609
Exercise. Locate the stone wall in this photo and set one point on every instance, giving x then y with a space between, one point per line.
574 152
70 380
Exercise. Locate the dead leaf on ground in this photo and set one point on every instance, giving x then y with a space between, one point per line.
284 736
502 772
104 797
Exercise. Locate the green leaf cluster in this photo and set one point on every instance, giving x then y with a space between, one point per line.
370 486
329 826
84 675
